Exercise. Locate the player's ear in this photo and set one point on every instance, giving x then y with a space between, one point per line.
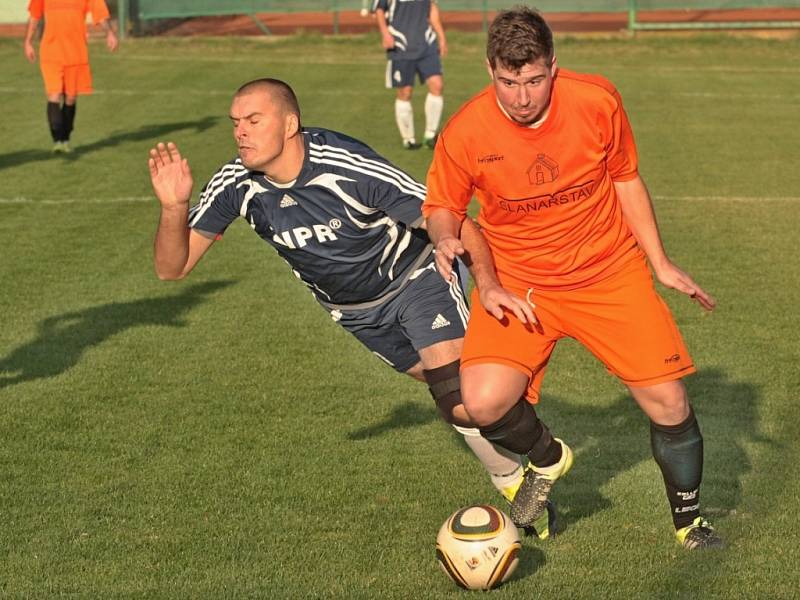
553 66
490 69
292 125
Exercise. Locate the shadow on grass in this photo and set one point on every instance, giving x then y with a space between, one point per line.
408 414
612 439
144 133
609 440
62 339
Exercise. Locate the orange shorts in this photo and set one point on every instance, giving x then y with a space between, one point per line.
70 80
621 320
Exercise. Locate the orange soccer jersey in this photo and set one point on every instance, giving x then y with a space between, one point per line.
548 207
64 38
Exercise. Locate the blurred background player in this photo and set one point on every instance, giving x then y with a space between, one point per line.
348 222
413 36
550 156
64 57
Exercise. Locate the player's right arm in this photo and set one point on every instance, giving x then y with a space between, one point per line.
177 249
387 41
30 33
450 189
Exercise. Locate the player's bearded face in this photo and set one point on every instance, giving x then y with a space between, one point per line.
258 128
525 94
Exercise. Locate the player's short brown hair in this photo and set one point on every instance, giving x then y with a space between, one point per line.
279 90
517 37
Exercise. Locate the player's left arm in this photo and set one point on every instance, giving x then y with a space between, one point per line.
435 20
637 210
101 16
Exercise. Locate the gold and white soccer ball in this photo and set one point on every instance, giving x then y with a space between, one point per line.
477 547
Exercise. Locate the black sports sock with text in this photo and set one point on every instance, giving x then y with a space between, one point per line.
678 450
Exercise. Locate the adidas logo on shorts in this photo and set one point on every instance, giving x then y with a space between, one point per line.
287 200
439 322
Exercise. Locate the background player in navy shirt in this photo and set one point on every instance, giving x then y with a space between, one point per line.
413 37
349 224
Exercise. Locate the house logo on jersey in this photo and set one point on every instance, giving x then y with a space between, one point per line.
287 200
543 170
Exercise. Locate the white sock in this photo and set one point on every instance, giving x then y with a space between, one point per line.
503 466
404 115
433 114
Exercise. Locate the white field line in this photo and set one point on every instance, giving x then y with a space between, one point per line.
729 198
316 59
41 201
793 98
136 199
183 92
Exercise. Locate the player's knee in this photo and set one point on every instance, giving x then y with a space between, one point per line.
665 402
519 430
444 384
483 404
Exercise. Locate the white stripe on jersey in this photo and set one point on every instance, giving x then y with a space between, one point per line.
378 169
430 35
337 163
401 247
222 178
457 294
330 181
253 188
400 40
382 165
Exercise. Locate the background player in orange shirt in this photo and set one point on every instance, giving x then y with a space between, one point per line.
568 225
64 57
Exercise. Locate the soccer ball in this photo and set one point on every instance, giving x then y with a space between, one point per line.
477 547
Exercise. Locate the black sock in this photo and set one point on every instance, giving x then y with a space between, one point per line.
678 450
68 113
521 431
55 120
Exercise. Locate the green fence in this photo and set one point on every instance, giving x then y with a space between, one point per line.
148 10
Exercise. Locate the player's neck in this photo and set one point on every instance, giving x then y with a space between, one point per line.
286 168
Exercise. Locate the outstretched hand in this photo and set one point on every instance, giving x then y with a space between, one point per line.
496 298
673 277
170 175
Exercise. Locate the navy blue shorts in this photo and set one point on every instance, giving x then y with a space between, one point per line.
427 311
401 72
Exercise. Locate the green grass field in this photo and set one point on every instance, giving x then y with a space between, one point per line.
221 438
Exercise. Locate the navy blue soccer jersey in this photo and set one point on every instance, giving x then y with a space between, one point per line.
409 24
348 225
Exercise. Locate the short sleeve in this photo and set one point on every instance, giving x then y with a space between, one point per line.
450 185
622 158
218 207
36 9
99 11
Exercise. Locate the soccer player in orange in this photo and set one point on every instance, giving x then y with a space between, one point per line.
568 229
64 57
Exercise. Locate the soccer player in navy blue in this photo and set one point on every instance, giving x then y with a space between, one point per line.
413 37
348 223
